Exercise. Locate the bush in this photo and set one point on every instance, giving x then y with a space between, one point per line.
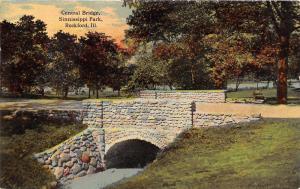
18 168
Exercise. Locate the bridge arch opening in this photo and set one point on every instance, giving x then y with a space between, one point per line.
132 153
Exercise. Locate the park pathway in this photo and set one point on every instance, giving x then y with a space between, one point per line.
266 111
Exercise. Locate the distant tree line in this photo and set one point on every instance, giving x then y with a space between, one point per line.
31 60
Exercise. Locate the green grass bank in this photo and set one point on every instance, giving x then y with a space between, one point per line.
19 139
261 155
269 94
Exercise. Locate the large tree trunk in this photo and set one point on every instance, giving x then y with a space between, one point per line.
97 92
193 76
89 92
282 70
66 91
43 92
237 83
170 86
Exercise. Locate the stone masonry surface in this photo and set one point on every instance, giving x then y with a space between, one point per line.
74 116
208 120
80 155
140 113
197 96
157 121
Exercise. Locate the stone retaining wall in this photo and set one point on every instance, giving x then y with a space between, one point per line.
208 120
80 155
208 96
74 116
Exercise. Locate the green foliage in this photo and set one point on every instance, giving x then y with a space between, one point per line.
120 74
177 48
32 61
18 168
148 73
245 41
150 21
99 61
269 94
257 155
172 64
63 72
23 53
193 45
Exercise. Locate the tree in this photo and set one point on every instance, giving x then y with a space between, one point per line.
120 73
199 19
285 18
165 25
150 22
294 58
8 41
23 53
97 58
231 57
184 64
147 73
63 72
281 18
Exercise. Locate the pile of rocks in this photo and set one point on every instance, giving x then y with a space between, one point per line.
79 156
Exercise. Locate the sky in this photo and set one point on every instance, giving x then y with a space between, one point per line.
113 15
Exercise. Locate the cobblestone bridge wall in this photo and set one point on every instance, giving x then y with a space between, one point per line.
158 121
208 120
208 96
74 116
155 121
141 113
78 156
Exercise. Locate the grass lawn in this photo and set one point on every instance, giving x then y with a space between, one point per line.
269 94
17 168
261 155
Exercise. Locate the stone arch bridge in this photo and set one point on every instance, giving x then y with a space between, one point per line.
155 121
116 126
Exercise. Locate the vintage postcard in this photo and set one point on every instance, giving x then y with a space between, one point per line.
149 94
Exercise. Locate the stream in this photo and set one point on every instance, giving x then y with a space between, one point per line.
102 179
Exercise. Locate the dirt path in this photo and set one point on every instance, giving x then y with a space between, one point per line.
267 111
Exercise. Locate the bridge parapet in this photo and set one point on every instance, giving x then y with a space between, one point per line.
207 96
142 113
156 121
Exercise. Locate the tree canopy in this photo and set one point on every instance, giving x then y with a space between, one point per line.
232 37
23 47
187 45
